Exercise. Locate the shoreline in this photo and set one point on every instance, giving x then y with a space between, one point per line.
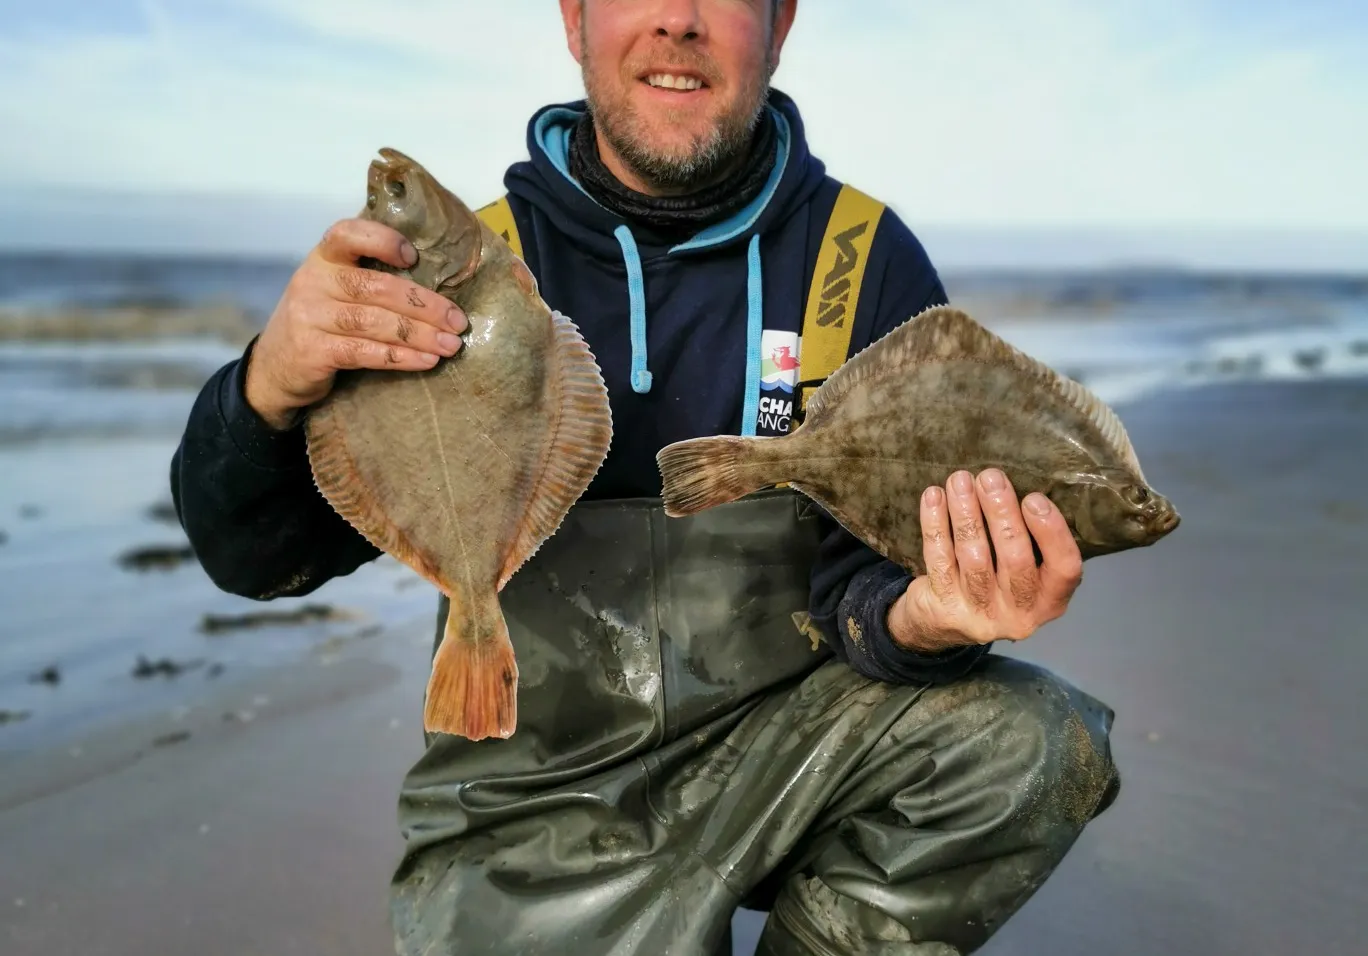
137 323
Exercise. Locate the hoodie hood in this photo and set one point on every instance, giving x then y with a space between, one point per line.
544 181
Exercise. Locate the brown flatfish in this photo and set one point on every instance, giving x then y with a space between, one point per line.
937 394
463 471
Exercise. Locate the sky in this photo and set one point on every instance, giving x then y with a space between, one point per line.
195 121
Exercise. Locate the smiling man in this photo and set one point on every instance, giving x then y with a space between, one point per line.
744 707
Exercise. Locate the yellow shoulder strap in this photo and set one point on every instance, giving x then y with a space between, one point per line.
498 216
835 290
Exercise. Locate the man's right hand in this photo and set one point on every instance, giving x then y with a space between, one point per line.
337 315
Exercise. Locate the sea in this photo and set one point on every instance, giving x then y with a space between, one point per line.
87 430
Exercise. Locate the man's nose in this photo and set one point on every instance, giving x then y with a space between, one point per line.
680 19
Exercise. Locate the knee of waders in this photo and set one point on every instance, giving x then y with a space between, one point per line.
1040 738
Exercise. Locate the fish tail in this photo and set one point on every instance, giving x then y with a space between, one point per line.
473 690
702 473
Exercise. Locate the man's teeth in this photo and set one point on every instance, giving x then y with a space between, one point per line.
671 82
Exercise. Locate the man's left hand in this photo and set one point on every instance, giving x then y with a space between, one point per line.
963 599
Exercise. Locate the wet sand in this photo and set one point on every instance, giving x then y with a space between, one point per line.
1235 658
1234 654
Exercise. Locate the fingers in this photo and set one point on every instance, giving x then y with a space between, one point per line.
971 543
1017 576
1061 567
938 546
350 239
346 352
389 328
973 520
362 286
412 306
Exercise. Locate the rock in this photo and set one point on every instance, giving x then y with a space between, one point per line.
213 623
156 557
48 675
175 737
165 666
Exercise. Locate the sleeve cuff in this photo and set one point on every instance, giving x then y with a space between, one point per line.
258 442
867 600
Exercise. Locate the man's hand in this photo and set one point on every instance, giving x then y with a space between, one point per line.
962 599
335 314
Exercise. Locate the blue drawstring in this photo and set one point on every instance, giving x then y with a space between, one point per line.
636 297
750 412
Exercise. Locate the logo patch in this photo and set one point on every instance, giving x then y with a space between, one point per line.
779 365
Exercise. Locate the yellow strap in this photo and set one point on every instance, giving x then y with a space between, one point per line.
835 290
498 216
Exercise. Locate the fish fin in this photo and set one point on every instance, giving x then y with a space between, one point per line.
701 473
336 477
576 450
946 333
473 689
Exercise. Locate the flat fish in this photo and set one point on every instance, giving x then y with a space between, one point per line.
463 471
937 394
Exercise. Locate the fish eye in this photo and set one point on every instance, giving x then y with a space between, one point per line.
1137 494
395 188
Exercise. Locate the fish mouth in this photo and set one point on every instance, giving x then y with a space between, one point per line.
393 175
391 158
1166 522
392 164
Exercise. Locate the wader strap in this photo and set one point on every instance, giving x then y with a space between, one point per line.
498 216
835 290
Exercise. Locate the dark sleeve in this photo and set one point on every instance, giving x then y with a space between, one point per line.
245 496
853 586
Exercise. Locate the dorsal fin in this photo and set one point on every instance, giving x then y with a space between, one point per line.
946 333
578 445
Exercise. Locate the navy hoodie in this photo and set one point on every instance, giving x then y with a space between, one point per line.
679 332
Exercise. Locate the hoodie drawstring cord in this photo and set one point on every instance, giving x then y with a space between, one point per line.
636 296
750 413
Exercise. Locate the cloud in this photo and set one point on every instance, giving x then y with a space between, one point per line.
983 112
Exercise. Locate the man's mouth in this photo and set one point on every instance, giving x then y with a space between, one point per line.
683 82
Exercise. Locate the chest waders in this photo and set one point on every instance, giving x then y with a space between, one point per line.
684 748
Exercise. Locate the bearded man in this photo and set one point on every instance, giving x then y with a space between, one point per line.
683 748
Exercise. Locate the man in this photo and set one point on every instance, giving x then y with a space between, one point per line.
682 747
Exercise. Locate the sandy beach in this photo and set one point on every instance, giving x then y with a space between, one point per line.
1232 655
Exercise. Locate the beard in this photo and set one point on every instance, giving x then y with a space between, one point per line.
705 158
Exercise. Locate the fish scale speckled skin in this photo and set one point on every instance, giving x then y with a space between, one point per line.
462 471
938 394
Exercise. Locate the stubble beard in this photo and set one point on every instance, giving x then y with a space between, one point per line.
707 157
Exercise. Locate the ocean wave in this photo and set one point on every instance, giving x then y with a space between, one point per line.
1126 361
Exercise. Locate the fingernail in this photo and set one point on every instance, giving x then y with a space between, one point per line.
931 496
1038 504
409 253
961 483
448 342
992 480
457 320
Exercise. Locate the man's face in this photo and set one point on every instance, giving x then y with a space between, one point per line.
676 86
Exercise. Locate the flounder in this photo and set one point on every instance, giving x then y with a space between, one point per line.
463 471
937 394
